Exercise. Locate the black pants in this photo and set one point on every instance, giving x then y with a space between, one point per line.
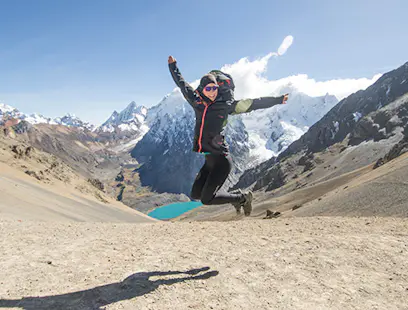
209 180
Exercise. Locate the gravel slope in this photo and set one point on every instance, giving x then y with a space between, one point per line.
292 263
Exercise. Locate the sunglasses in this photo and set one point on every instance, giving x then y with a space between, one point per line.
211 88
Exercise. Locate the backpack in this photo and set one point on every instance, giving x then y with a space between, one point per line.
225 83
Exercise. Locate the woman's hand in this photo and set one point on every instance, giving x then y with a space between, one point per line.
171 60
285 98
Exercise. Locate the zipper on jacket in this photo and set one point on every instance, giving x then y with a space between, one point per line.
201 129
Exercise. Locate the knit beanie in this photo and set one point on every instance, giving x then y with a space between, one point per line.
207 79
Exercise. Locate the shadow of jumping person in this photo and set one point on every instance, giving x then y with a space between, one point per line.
135 285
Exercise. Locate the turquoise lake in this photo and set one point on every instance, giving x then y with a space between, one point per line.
173 210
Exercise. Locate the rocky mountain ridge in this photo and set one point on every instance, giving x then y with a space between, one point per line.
374 114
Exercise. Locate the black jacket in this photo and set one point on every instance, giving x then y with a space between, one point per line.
211 117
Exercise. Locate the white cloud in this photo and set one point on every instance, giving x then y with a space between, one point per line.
287 42
251 82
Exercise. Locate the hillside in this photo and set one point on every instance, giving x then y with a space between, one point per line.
35 185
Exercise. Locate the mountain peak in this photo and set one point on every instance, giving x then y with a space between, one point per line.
131 118
6 108
134 108
71 120
131 106
70 115
7 112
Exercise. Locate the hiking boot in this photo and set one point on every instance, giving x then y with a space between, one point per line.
247 205
237 205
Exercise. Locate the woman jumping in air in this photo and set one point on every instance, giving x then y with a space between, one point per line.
213 101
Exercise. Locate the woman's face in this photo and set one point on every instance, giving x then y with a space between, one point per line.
211 91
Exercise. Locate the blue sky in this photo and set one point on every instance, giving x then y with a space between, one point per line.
91 57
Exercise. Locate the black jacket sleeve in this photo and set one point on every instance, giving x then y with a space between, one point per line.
187 91
248 105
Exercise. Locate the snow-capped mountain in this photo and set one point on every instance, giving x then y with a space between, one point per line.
121 131
124 129
130 119
272 130
350 113
370 121
69 120
7 111
36 118
169 165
